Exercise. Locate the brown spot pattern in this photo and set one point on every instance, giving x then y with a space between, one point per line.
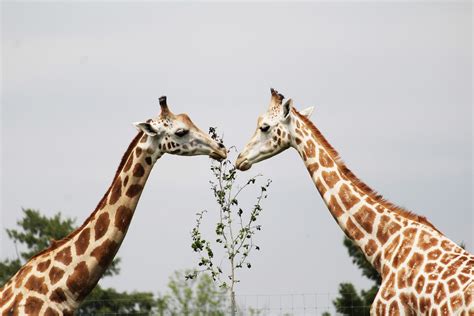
123 217
51 312
469 295
424 304
371 247
116 191
331 178
445 309
7 294
148 160
380 310
429 288
42 266
414 265
101 225
55 274
58 296
310 148
82 241
390 250
33 306
353 231
463 278
312 168
447 257
129 163
440 293
67 312
324 159
134 190
420 283
447 245
456 302
138 170
138 151
105 252
365 216
347 198
403 252
22 273
334 207
402 278
78 281
64 256
426 240
434 254
394 309
453 285
377 262
386 228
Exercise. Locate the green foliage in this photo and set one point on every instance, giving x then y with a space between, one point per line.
35 232
349 301
358 258
8 268
38 231
234 230
198 296
109 301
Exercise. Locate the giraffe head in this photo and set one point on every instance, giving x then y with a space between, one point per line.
176 134
273 134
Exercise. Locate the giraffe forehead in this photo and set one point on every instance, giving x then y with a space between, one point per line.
270 118
185 121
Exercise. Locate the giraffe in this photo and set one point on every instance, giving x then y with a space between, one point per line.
423 272
56 280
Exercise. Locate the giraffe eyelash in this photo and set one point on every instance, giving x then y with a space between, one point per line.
181 132
264 128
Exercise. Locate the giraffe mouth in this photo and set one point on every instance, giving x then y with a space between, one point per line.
218 155
243 164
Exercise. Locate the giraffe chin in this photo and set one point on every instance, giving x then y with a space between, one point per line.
219 156
243 165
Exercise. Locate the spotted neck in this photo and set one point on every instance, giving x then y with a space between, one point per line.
99 238
365 217
76 263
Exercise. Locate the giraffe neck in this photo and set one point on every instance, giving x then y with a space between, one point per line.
78 261
366 218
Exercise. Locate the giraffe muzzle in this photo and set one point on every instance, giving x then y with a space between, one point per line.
219 154
242 163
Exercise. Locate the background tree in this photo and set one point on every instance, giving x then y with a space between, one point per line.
234 229
35 232
349 301
192 297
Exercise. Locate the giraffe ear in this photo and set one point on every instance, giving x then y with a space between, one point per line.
287 108
307 112
146 127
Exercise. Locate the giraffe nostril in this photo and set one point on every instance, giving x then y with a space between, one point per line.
221 145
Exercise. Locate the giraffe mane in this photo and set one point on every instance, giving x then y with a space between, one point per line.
57 243
360 184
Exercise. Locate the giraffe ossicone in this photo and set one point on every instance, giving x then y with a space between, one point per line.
423 272
56 280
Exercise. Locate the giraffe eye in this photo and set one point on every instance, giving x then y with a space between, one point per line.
181 132
264 128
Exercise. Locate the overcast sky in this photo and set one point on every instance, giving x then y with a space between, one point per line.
391 85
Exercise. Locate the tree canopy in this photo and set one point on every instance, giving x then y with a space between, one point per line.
350 301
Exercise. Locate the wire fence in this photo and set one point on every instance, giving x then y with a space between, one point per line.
301 304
